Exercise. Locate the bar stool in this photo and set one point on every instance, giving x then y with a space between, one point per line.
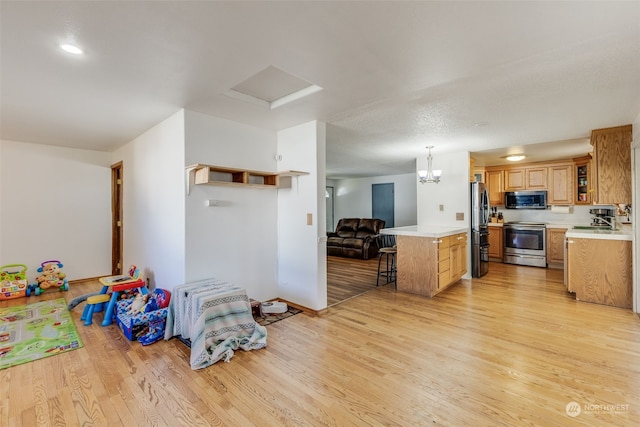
387 248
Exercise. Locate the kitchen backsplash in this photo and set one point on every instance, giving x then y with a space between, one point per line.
579 215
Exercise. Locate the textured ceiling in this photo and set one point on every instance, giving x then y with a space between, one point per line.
396 76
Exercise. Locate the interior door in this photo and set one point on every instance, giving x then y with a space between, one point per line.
383 203
116 218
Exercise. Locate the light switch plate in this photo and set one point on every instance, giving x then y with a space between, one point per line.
309 219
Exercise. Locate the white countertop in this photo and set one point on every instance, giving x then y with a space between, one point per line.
623 233
424 231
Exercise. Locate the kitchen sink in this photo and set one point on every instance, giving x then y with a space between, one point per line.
592 227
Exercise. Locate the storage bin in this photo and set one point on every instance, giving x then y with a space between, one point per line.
135 325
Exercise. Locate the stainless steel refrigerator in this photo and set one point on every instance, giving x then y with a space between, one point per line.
479 229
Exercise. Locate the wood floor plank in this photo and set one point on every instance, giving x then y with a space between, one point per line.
511 348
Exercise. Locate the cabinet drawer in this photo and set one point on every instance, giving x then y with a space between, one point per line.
445 242
444 265
443 279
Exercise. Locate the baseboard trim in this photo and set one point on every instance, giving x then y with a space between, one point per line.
306 310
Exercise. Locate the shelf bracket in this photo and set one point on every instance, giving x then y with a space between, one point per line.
190 177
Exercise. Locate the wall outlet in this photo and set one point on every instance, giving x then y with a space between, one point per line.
441 207
459 216
309 219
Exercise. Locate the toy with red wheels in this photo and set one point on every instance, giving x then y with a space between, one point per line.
13 281
51 277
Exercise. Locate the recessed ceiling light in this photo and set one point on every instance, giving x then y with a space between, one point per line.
514 157
71 49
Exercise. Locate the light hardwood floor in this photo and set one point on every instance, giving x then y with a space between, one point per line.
347 277
512 348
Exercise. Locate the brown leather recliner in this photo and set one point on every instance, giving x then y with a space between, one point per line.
355 238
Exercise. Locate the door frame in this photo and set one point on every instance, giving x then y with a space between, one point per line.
116 218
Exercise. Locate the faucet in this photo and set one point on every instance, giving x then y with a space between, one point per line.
611 221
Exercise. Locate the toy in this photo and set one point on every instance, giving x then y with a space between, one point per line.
13 281
158 299
138 305
138 324
52 276
154 333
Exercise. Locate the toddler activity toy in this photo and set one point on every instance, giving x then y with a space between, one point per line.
51 277
13 281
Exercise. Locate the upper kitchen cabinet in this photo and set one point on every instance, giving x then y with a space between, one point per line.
560 184
530 178
611 165
495 186
582 180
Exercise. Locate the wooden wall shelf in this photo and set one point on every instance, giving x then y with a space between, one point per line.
224 176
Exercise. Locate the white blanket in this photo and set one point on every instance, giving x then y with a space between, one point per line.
216 317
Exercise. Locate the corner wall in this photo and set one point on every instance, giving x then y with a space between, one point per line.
302 269
153 203
237 240
56 204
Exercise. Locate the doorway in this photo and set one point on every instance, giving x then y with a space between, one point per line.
328 195
383 204
116 219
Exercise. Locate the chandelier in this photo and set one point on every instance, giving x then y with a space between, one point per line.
429 175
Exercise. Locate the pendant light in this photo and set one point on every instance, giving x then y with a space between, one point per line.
429 175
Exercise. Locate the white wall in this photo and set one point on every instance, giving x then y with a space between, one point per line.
302 272
237 241
452 192
56 204
353 197
153 203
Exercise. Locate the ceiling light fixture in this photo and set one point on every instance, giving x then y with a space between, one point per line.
429 175
69 48
515 157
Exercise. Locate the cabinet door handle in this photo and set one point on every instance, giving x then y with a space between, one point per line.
460 238
569 241
437 241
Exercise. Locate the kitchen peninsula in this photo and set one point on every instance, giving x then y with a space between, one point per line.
598 266
429 258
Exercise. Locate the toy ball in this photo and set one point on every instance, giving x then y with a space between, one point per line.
162 297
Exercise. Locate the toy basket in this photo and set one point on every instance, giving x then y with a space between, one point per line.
13 281
134 325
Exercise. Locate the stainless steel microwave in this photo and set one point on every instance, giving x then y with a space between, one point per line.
525 199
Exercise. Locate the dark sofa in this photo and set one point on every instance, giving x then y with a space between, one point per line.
355 238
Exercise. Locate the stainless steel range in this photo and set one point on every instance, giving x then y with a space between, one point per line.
525 243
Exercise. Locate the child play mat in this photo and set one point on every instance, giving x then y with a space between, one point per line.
35 331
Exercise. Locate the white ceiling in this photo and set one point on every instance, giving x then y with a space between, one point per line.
396 76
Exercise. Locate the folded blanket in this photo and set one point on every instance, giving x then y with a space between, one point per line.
217 317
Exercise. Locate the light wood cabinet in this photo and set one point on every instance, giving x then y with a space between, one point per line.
496 243
555 247
611 165
560 184
427 266
495 187
582 180
514 179
527 178
457 257
220 175
599 271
